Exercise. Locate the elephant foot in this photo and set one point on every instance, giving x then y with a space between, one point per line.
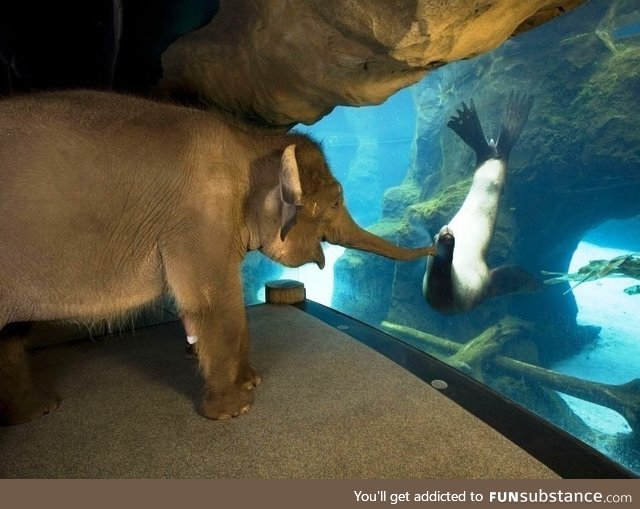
249 378
31 405
223 405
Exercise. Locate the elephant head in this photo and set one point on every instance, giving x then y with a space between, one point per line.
310 209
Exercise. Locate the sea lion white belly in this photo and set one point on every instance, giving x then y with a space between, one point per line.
457 278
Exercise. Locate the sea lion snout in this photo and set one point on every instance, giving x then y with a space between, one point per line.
445 235
445 243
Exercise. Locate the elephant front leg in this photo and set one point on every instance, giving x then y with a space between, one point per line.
224 364
222 349
248 375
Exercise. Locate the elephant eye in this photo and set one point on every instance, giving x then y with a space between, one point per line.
335 205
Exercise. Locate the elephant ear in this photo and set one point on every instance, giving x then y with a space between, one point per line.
290 190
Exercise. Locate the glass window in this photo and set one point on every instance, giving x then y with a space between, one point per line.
567 347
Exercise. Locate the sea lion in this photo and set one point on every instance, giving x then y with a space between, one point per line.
457 278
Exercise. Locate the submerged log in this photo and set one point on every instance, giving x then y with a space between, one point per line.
623 398
489 343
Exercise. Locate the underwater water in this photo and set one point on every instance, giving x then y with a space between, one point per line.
574 169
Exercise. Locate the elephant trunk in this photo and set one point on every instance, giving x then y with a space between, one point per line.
347 233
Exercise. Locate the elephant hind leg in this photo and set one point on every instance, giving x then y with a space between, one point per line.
20 400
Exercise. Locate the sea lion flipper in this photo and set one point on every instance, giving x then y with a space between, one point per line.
513 120
468 127
511 279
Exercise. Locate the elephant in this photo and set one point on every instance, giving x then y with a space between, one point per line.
108 202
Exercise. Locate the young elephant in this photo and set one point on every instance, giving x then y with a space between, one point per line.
107 202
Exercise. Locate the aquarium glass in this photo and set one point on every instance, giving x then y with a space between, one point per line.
569 216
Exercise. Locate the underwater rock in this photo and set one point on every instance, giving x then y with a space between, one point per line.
370 274
632 290
287 61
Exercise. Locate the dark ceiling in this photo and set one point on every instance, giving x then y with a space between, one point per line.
91 44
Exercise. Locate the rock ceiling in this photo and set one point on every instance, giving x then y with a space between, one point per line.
281 62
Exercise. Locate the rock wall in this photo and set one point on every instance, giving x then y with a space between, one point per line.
576 165
287 61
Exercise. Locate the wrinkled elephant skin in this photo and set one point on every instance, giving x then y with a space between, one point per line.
107 202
